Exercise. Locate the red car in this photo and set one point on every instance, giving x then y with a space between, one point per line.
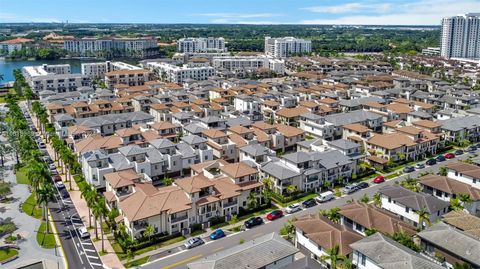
378 179
275 214
449 156
57 178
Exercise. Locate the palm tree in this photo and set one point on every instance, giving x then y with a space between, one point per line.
333 255
377 199
291 189
149 231
442 171
365 199
252 200
268 183
464 198
167 181
288 229
45 195
90 195
332 214
455 204
99 212
423 217
4 150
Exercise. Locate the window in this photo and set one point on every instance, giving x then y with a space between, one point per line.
407 209
363 259
389 199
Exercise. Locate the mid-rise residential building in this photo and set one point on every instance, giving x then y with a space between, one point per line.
131 47
12 45
248 63
55 78
286 46
460 37
135 77
201 44
98 70
179 74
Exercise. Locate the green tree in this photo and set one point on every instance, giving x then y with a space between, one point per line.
252 200
268 183
377 199
4 150
333 255
291 189
443 171
45 195
365 199
462 266
423 217
455 204
167 181
149 231
405 240
288 229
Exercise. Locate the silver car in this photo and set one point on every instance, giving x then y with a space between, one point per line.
193 242
293 208
350 189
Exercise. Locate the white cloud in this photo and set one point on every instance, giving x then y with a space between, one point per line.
424 12
351 8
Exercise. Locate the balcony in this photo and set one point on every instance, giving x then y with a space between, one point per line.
229 204
140 226
178 218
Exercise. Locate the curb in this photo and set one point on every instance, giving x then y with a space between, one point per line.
57 239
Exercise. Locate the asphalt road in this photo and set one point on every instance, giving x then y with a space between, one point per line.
179 257
80 253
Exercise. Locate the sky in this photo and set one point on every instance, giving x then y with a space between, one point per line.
367 12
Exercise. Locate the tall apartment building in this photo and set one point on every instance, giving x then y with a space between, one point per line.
240 63
286 46
201 44
55 78
132 47
98 70
461 36
180 74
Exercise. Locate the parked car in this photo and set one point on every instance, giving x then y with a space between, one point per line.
41 145
350 189
64 193
252 222
56 178
478 146
293 208
419 166
379 179
408 169
362 185
59 184
431 162
440 158
83 232
449 155
217 234
458 152
193 242
472 149
309 203
325 197
275 214
52 166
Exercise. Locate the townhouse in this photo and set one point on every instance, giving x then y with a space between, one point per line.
409 205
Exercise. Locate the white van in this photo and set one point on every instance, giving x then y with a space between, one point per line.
324 197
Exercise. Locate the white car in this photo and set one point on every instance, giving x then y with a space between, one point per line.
293 208
83 232
59 184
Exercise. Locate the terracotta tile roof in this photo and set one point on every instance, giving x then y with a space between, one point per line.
127 132
17 40
238 140
52 106
261 135
79 129
292 112
109 196
198 168
158 106
163 125
270 103
465 168
357 127
199 102
426 123
263 125
193 184
326 233
450 186
236 170
399 108
289 131
371 217
410 130
328 101
391 141
239 129
98 142
122 178
463 221
226 188
207 200
309 104
214 133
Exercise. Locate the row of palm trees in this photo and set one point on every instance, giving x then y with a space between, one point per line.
38 174
70 167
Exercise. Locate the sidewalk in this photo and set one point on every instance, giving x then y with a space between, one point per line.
109 260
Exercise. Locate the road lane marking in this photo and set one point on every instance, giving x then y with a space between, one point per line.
92 257
90 250
182 261
96 264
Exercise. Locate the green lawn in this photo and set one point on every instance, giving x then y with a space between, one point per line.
137 262
122 255
22 176
30 208
198 232
45 240
301 199
7 254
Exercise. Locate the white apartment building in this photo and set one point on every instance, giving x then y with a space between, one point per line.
460 36
145 46
286 46
179 74
201 44
56 78
242 63
98 70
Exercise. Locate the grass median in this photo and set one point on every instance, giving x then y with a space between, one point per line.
30 207
43 239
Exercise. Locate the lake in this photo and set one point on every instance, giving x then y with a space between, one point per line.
7 67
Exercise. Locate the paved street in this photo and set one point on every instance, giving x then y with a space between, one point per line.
80 253
181 257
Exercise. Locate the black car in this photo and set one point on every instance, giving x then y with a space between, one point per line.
472 149
408 169
458 152
309 203
440 158
362 185
431 162
64 193
252 222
